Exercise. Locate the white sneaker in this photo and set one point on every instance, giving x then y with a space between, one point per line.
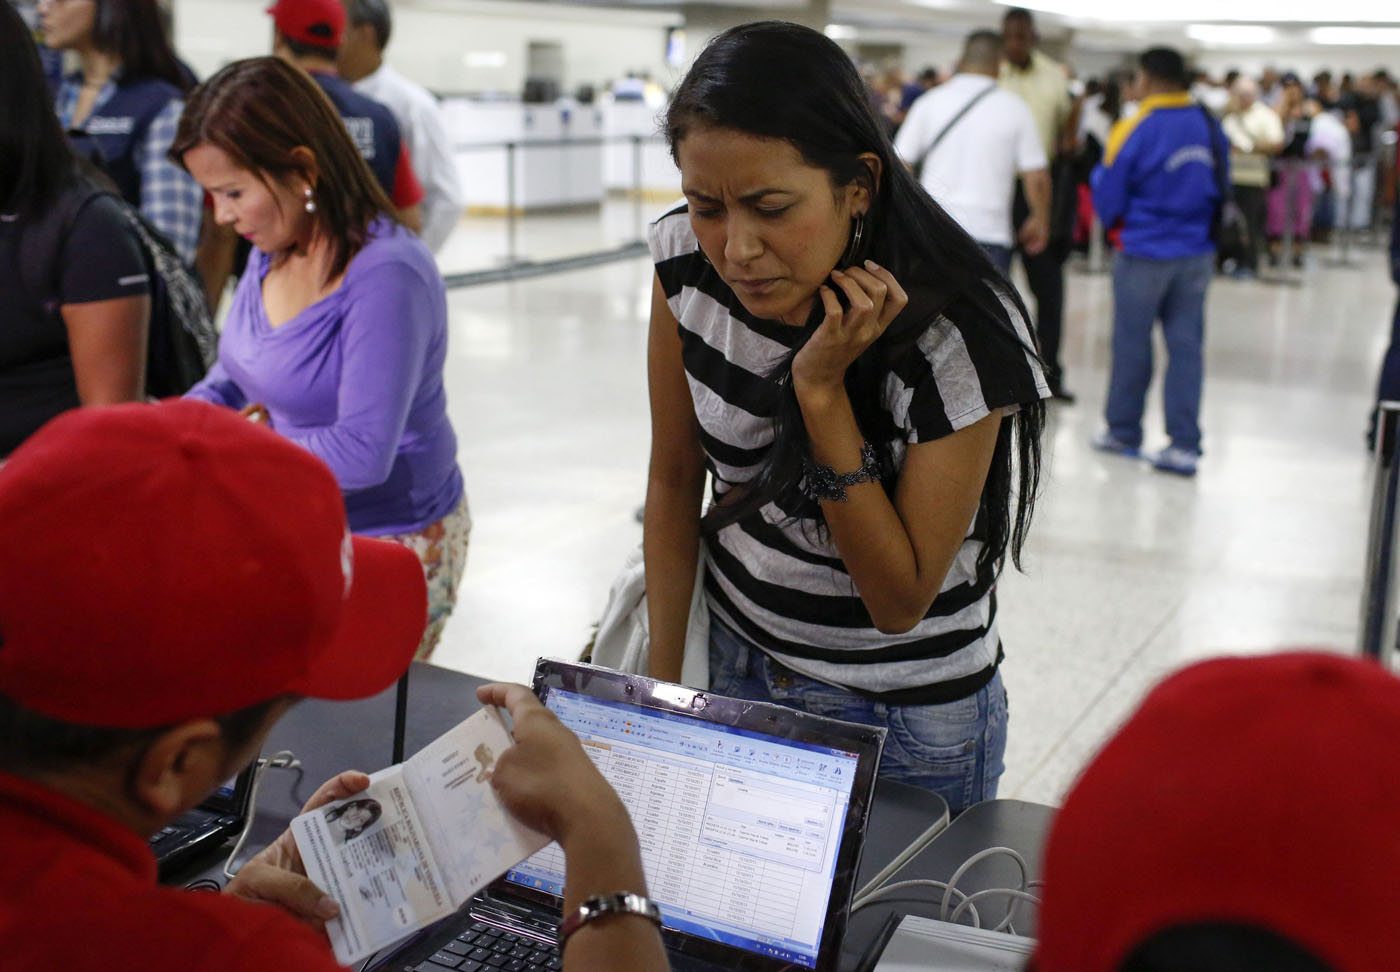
1182 462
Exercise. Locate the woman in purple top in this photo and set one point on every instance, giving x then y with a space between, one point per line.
338 330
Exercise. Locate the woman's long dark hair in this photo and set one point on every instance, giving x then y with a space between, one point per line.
784 81
133 31
36 162
260 111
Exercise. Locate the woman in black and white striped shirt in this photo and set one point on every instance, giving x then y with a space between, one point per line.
861 383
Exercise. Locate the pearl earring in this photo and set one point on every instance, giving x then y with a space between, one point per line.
310 203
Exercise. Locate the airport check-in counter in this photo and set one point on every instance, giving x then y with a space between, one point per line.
502 171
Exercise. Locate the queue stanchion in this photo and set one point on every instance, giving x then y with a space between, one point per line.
510 204
1096 248
1378 609
638 214
1290 215
1343 177
400 716
1344 230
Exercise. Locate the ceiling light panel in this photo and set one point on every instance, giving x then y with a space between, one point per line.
1239 11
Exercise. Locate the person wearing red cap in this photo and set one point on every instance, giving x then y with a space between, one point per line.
174 578
308 34
1242 820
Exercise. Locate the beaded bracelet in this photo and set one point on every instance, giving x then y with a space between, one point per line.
824 483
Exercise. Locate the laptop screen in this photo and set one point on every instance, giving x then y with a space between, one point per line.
232 796
742 822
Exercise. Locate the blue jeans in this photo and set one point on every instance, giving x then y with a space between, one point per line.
1145 291
955 749
999 255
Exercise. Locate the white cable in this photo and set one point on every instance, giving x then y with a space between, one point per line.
966 902
870 898
286 759
966 865
904 856
1016 896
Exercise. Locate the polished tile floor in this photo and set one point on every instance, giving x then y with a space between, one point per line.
1129 573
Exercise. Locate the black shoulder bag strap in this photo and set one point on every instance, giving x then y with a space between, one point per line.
1222 186
918 164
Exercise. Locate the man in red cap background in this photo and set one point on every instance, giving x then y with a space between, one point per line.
172 579
308 34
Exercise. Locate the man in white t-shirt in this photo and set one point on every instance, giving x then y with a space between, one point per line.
361 62
970 141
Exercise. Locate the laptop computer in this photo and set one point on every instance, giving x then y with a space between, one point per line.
750 816
207 826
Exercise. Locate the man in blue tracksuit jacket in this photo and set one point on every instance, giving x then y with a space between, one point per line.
1159 187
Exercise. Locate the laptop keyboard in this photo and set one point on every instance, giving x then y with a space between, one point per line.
486 948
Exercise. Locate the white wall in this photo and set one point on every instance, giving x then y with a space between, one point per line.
466 46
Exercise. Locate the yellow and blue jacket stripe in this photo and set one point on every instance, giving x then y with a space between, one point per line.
1161 178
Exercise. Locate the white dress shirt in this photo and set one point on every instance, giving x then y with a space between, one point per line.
430 150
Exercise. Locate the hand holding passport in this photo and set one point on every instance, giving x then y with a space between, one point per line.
415 845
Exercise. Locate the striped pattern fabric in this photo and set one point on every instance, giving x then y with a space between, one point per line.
774 577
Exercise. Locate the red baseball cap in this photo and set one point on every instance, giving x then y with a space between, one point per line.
176 561
1256 791
320 23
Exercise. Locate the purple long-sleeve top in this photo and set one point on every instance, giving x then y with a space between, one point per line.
356 378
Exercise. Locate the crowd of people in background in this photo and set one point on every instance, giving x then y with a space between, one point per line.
1307 154
1033 161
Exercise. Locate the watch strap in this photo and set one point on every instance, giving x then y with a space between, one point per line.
599 906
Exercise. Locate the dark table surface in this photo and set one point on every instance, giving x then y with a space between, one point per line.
1015 824
328 737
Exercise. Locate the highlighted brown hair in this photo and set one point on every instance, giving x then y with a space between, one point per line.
259 111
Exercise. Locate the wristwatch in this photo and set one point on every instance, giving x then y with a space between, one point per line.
618 903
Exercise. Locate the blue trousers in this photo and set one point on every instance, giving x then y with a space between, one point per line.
1000 256
1144 292
955 749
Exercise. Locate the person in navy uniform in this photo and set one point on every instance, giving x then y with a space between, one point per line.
308 34
122 107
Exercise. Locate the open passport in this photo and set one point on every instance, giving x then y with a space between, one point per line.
415 846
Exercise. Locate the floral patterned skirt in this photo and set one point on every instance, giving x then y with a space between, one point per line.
442 549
